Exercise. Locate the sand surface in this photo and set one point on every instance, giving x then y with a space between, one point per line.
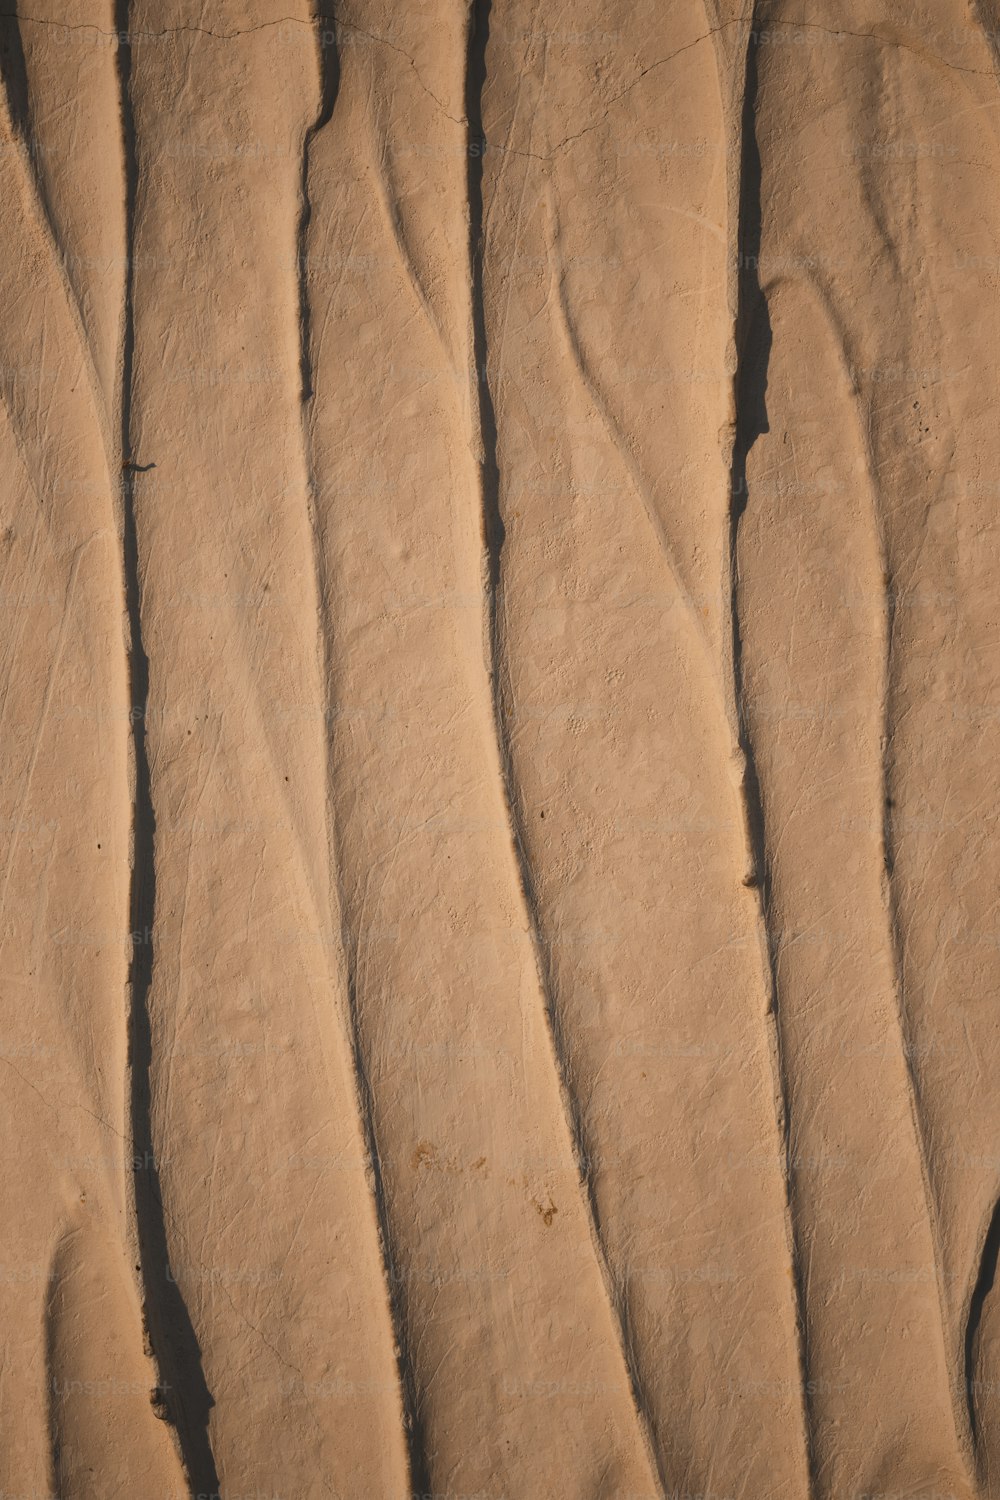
499 723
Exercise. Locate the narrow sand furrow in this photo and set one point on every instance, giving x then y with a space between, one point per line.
485 441
416 1478
166 1323
621 737
752 338
501 699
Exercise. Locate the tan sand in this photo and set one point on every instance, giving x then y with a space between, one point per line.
498 886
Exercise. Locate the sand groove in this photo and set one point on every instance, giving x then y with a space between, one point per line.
501 703
181 1390
753 336
417 1478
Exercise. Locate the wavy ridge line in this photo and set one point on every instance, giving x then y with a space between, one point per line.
171 1341
486 452
965 1431
750 316
417 1462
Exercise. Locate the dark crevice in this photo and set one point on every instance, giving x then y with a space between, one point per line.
753 350
475 83
985 1282
419 1478
182 1397
888 779
753 321
329 75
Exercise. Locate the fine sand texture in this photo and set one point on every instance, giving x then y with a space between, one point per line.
499 727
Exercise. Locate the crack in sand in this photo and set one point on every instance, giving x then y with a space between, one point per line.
871 36
753 338
418 1478
126 38
661 63
874 36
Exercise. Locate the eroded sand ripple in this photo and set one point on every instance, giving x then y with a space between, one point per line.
499 721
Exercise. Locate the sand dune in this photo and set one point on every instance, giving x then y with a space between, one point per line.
499 563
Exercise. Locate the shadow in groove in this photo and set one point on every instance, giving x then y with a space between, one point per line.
415 1436
985 1282
475 82
754 339
753 353
183 1398
329 75
753 319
